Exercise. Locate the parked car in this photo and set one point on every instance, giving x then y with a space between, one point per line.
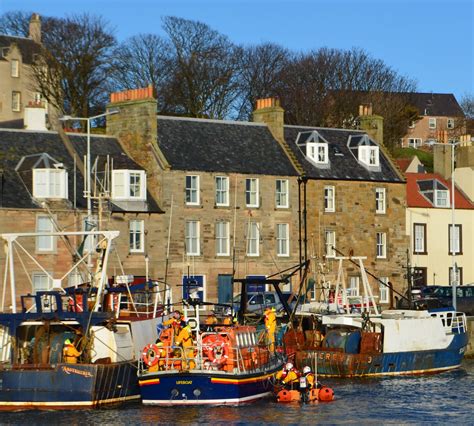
258 301
442 296
418 293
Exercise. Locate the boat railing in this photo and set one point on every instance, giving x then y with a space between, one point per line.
453 322
196 359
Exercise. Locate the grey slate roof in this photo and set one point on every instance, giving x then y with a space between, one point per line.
15 190
344 165
221 146
436 104
27 47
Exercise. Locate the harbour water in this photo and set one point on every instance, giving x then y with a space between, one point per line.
434 399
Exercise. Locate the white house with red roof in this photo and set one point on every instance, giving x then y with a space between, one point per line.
432 239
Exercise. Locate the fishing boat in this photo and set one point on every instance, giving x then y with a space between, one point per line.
100 319
367 342
225 364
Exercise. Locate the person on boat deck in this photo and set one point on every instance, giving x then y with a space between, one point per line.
184 338
289 376
161 355
70 353
229 319
176 317
270 325
211 321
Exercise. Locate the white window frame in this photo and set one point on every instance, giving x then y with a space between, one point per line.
380 201
329 243
16 101
281 193
253 239
222 238
15 68
318 152
50 183
45 243
222 191
384 292
122 185
283 239
416 142
457 239
136 232
192 197
192 238
252 195
40 278
369 155
450 123
74 279
440 200
353 287
432 123
329 198
419 238
381 245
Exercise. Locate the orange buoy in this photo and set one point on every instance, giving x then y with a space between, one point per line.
288 395
325 394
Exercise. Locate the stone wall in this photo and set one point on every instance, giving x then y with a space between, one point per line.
356 225
172 184
59 261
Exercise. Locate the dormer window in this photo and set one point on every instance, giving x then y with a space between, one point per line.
128 185
318 152
50 183
369 155
435 192
441 198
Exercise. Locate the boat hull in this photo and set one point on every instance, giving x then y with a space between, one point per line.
331 363
67 386
201 388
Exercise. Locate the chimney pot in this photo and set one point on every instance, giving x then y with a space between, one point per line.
133 94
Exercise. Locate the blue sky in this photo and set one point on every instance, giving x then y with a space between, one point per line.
431 41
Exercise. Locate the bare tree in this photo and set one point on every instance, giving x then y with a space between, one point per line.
325 87
204 68
142 60
75 64
15 23
260 69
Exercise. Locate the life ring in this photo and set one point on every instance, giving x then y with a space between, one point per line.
150 355
213 344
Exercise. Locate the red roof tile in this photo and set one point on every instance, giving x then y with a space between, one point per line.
416 199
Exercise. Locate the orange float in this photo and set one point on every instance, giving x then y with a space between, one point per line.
150 355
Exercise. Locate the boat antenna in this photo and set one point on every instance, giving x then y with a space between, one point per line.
169 239
233 236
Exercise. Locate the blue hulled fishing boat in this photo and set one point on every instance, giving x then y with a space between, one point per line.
75 347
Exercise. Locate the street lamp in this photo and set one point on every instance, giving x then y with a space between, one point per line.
451 234
87 176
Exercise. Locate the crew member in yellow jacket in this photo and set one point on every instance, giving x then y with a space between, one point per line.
70 353
184 338
270 325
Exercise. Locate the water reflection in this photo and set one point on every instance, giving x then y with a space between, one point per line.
441 398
